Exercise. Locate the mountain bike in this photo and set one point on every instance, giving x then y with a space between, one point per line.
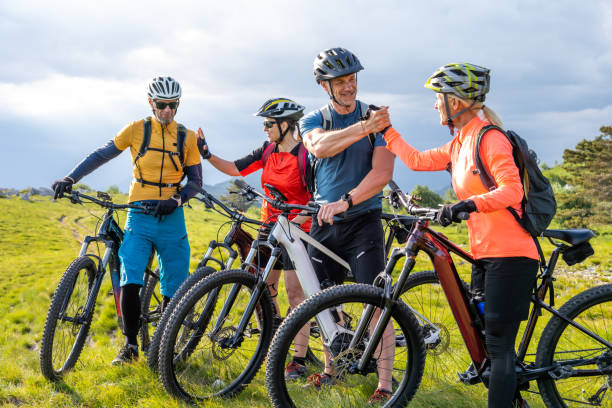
573 361
230 315
73 303
237 237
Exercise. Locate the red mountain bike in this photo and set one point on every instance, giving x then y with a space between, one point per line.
573 362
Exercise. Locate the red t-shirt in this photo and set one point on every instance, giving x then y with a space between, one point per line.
281 171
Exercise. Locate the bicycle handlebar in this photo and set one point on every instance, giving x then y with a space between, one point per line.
278 204
76 198
209 200
422 212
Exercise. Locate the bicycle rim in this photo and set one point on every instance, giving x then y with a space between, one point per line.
67 326
446 352
202 363
398 360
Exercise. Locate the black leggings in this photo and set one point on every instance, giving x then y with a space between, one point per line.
507 284
130 309
500 337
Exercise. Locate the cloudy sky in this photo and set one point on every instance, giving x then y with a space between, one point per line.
74 73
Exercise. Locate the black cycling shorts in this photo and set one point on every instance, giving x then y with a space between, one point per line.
359 241
508 284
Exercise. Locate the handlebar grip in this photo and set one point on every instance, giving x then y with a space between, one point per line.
393 185
463 215
242 184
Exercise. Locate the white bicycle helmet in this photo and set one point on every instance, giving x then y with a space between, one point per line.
164 88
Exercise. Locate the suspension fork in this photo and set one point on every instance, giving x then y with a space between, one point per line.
253 301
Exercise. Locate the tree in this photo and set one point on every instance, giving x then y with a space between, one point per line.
428 197
234 200
114 189
588 196
450 196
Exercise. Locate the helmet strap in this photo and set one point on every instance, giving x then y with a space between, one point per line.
450 120
280 130
333 98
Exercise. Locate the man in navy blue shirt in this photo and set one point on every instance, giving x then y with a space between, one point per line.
351 168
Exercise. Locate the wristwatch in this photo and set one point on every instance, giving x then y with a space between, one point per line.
347 197
177 198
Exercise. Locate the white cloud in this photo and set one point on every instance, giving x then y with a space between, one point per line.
69 65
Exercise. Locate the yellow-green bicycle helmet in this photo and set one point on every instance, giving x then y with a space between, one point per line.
467 81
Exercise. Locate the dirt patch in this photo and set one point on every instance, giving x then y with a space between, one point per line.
76 234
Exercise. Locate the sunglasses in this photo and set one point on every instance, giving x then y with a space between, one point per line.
268 124
162 105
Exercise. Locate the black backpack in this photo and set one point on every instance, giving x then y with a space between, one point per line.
180 152
538 204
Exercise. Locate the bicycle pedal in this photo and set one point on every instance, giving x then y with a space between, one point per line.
469 376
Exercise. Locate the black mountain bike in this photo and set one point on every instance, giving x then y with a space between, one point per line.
236 244
73 303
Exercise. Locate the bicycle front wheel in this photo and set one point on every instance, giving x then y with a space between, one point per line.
68 320
160 323
446 353
398 362
201 353
582 366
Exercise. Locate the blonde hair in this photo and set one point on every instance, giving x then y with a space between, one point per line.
489 113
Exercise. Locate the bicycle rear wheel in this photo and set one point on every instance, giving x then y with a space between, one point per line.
196 357
573 352
192 280
67 322
401 363
446 353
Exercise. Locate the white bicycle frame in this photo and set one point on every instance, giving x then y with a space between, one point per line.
290 237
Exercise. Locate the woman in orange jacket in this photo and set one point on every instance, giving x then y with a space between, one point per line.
507 255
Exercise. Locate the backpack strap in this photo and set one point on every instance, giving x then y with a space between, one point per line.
146 139
144 146
485 177
363 111
327 117
180 142
267 152
328 123
302 165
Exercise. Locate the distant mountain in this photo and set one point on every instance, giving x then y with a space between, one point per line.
219 189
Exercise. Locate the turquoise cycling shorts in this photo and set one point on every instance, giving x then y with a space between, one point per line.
144 233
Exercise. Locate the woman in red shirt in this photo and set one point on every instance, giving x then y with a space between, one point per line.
285 166
507 255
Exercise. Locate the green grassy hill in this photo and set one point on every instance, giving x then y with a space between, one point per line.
38 240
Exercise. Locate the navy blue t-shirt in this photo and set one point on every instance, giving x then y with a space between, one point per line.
334 176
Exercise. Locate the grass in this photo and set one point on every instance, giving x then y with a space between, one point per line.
39 239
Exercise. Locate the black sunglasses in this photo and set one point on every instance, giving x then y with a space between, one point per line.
162 105
268 124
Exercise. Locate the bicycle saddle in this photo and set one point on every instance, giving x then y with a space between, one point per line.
571 236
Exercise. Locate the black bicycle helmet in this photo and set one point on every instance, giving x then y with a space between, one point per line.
281 108
335 62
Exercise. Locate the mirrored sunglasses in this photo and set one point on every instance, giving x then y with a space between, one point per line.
162 105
